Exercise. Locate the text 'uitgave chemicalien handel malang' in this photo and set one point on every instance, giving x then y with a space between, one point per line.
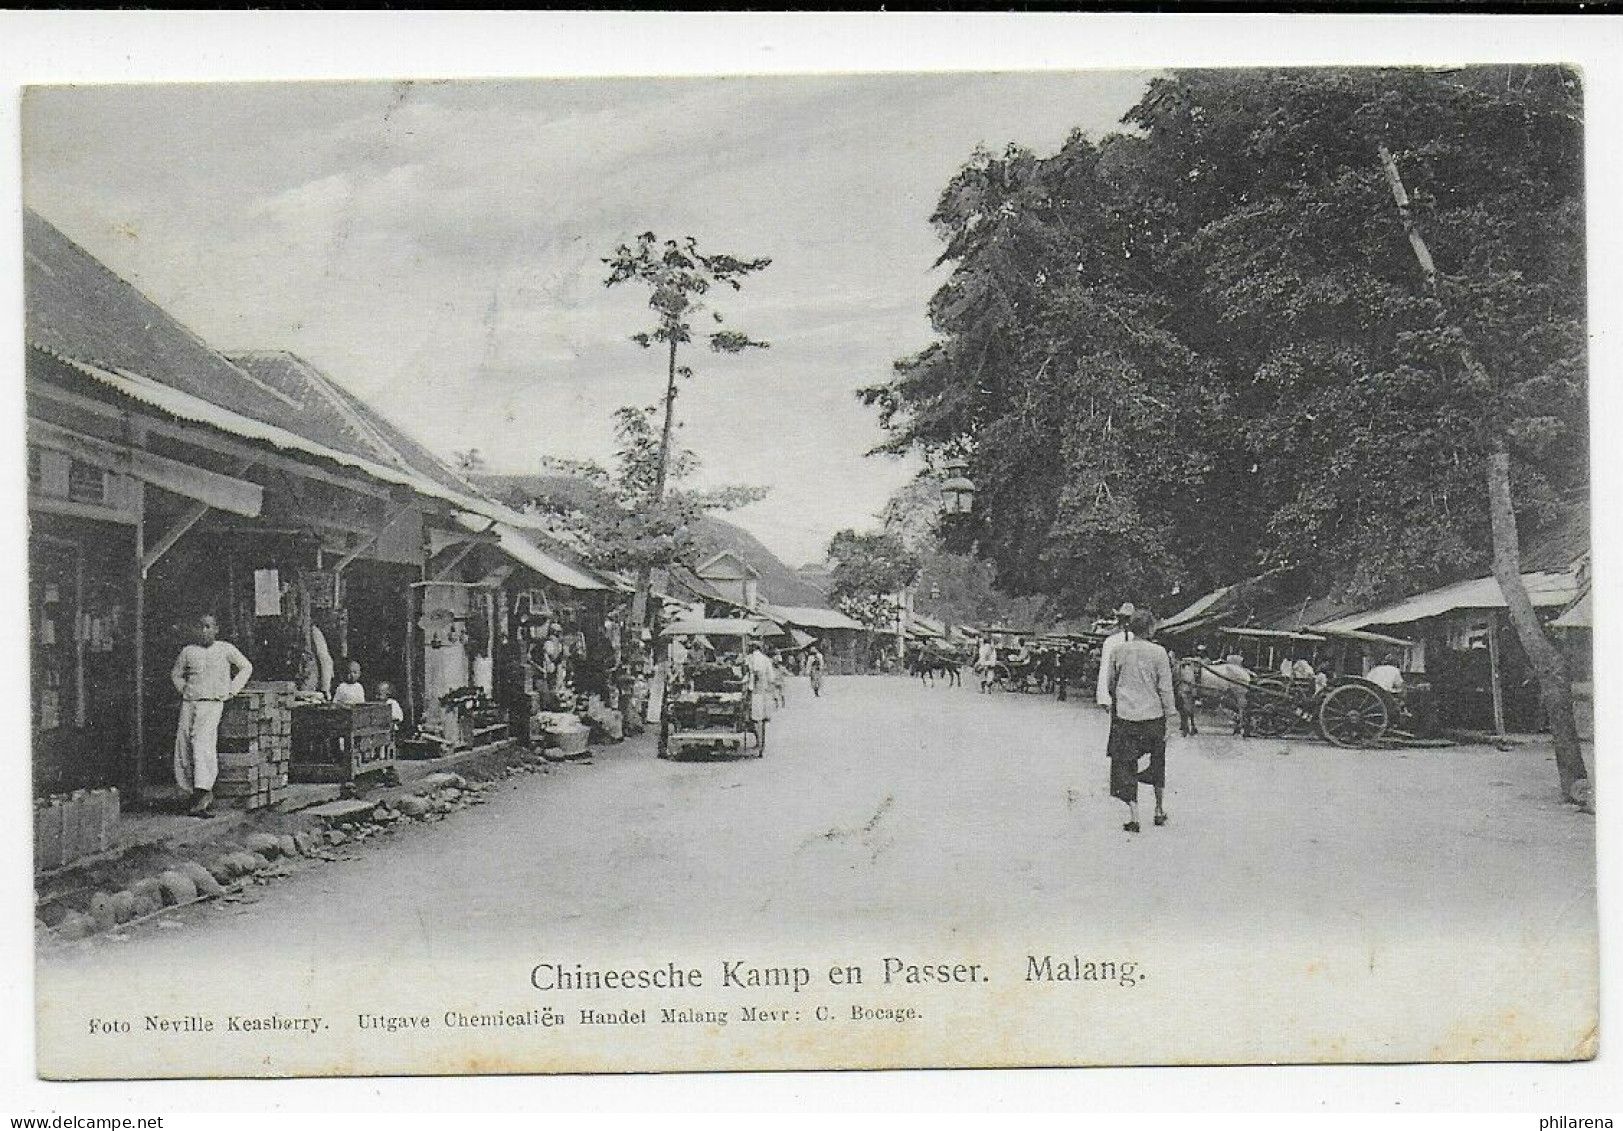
573 978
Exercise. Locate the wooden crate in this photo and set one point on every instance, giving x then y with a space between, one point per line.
69 827
333 743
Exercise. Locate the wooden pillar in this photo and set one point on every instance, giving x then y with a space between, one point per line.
408 693
1495 676
138 644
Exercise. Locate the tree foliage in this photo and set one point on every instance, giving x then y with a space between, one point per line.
868 569
617 521
1185 354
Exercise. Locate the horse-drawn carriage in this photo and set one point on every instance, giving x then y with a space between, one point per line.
1045 663
1302 683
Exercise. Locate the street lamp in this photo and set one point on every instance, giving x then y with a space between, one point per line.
957 491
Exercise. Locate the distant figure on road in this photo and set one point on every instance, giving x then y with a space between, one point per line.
986 664
1187 675
206 674
814 670
1142 700
1123 633
780 697
759 669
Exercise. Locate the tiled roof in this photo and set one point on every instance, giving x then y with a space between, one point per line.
332 415
79 310
82 313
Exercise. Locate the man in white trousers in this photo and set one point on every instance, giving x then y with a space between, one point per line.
205 674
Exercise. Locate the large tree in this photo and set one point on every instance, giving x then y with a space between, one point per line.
1214 345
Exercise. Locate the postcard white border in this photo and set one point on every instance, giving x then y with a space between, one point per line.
147 46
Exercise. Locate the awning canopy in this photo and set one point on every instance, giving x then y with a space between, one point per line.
722 626
1274 634
515 545
1192 616
185 406
1363 637
1547 590
1579 616
807 617
222 492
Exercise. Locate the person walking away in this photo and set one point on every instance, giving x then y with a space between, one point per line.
1188 677
758 667
1142 700
1124 616
206 674
351 691
814 670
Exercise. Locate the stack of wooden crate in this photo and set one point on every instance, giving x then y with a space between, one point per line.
256 745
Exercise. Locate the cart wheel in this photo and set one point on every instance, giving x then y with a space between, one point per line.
1353 715
1268 720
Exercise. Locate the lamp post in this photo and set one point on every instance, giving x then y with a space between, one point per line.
957 491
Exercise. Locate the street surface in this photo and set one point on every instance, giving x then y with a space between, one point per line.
1305 903
886 804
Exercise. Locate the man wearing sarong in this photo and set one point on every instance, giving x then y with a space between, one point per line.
1141 702
206 674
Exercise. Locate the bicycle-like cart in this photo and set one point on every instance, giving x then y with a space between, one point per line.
706 706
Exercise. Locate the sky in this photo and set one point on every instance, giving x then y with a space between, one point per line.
437 246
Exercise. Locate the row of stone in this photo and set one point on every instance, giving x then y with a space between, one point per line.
186 882
190 881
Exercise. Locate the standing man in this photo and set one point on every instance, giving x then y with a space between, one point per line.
1188 677
206 674
1123 633
1142 700
758 668
676 661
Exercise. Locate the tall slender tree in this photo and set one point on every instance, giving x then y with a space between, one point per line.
678 277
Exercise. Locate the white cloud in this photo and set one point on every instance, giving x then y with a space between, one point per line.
437 246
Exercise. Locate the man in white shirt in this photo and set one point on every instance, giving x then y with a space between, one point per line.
986 664
205 675
1115 640
758 667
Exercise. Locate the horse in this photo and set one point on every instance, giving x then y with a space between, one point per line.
1225 684
927 663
